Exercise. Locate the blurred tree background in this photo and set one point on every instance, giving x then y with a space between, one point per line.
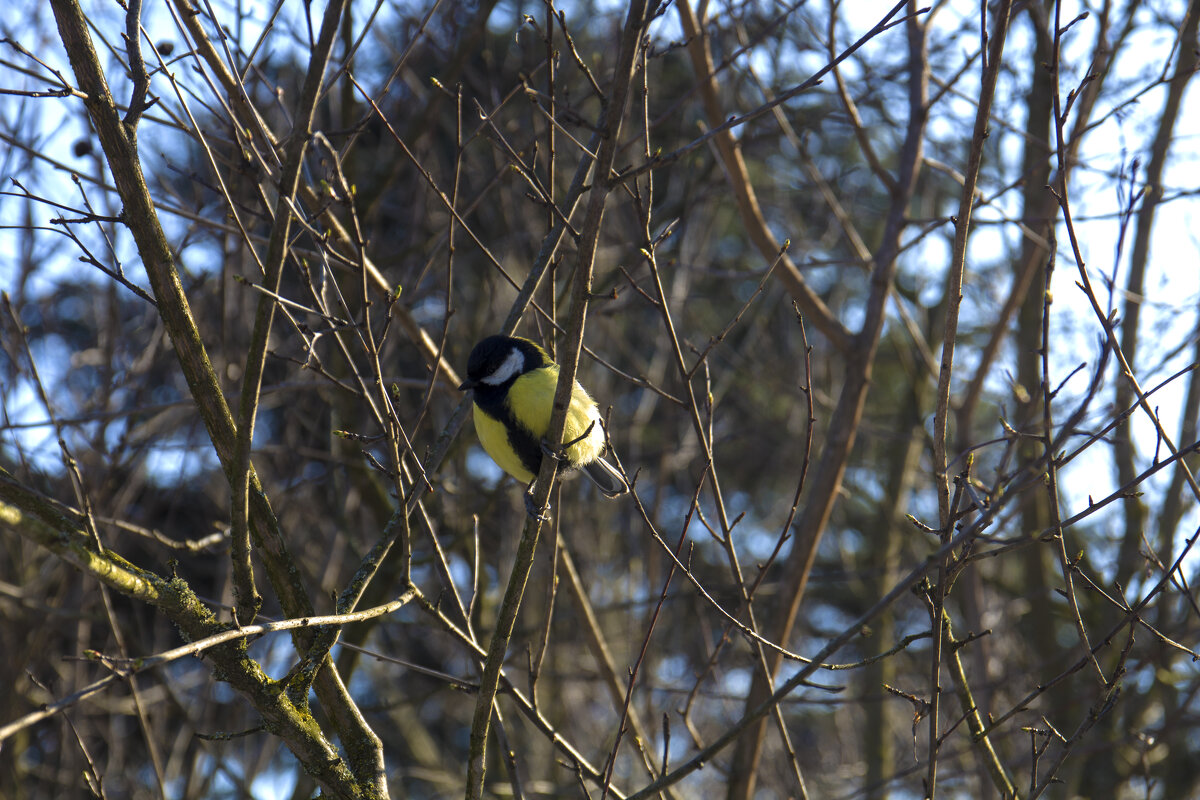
892 311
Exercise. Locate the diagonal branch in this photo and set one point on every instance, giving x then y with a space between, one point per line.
768 246
63 532
159 261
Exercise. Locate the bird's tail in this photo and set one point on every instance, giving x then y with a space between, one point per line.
606 478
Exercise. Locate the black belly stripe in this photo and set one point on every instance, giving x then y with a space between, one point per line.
526 445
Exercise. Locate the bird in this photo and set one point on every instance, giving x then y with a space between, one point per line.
512 381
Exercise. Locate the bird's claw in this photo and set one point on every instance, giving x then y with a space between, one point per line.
533 511
557 455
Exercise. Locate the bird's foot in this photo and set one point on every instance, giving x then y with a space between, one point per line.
559 455
539 514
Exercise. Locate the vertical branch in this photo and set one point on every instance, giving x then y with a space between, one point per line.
568 359
953 298
1172 509
551 154
248 600
137 69
1062 196
1126 455
172 304
847 415
970 709
958 255
1051 475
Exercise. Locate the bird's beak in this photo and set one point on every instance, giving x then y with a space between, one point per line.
467 384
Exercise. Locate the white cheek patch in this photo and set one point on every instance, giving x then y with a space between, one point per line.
511 366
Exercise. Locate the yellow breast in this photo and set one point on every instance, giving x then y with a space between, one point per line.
531 402
494 438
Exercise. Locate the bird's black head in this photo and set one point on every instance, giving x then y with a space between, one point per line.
498 360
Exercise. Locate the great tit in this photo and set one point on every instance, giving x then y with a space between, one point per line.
513 382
